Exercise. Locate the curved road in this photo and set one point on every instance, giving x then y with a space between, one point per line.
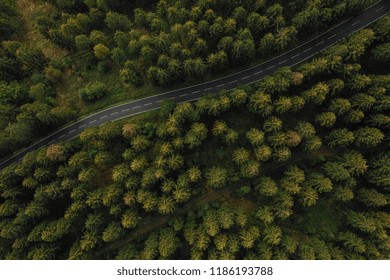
247 76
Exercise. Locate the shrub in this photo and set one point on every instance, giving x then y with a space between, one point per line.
93 91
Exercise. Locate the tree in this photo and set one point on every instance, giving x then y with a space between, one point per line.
219 128
319 182
131 73
272 235
266 186
272 124
313 144
196 135
381 52
308 196
216 177
277 139
265 214
353 242
166 205
240 156
256 22
117 21
13 93
263 153
354 162
361 221
194 174
336 171
217 61
340 137
380 168
363 101
372 198
255 137
32 59
130 219
305 129
293 139
326 119
55 152
101 51
284 37
243 50
283 104
112 232
354 116
317 94
93 91
368 136
250 169
343 194
168 242
230 136
340 106
249 236
282 153
194 68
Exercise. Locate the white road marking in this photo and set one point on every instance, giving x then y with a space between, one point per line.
257 73
185 94
296 55
244 78
232 82
114 113
51 141
271 67
334 35
148 104
320 43
208 88
72 131
63 135
381 8
136 107
170 98
103 117
125 110
353 24
92 121
158 101
307 49
196 91
283 61
82 126
221 85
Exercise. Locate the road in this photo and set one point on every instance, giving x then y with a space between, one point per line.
247 76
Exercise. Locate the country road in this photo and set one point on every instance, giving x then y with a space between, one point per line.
247 76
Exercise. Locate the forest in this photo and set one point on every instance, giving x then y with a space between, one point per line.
295 166
69 58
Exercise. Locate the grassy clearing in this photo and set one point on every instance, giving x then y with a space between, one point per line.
29 10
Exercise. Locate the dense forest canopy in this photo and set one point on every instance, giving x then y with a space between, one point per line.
117 49
295 166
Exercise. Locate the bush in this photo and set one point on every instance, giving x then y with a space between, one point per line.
93 91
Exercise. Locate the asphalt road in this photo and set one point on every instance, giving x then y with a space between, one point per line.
247 76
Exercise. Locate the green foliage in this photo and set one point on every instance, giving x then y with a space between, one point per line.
94 91
295 166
